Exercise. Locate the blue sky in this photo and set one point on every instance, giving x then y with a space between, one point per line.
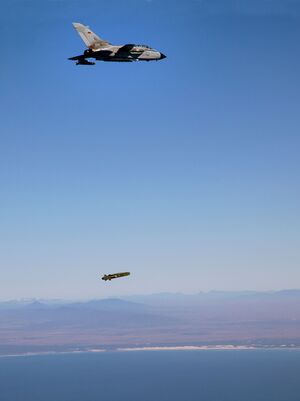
184 171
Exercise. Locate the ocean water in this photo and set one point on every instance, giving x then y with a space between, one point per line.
244 375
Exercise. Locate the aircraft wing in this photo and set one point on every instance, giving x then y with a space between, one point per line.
102 53
126 48
81 60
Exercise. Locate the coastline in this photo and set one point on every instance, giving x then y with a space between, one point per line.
224 347
189 348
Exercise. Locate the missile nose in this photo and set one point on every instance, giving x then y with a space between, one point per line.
162 56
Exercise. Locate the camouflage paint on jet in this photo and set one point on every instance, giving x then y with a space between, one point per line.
100 49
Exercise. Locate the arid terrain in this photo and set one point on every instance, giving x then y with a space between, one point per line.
240 318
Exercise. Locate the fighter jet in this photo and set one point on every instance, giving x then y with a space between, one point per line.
114 275
100 49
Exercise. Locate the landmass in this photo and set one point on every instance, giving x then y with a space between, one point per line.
204 321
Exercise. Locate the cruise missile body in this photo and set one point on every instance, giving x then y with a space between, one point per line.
114 275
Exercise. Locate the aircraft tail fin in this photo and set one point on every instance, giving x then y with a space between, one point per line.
91 40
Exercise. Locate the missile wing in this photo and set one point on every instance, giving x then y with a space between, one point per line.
114 275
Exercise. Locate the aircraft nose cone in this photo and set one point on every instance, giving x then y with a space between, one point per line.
162 56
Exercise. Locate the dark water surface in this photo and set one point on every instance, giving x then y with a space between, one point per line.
250 375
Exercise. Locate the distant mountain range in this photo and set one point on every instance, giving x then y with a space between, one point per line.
247 317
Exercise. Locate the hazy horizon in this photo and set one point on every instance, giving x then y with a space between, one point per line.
150 294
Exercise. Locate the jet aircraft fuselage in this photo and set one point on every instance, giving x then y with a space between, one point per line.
100 49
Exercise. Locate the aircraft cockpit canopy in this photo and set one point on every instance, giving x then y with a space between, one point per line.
146 46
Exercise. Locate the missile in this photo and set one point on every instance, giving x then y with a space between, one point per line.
114 275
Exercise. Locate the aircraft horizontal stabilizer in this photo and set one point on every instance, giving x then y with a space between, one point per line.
81 57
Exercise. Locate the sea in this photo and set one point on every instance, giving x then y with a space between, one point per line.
212 375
